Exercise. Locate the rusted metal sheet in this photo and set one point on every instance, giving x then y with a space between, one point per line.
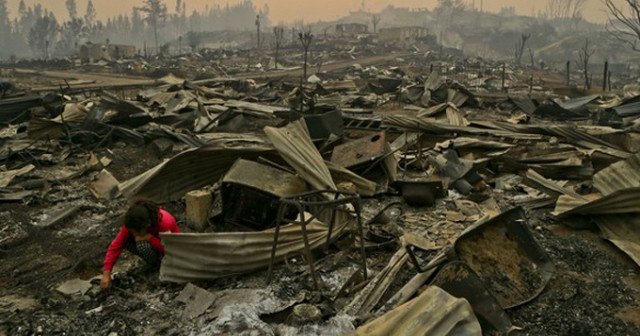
361 151
193 256
430 126
265 178
619 202
434 312
616 213
189 170
294 145
623 231
620 175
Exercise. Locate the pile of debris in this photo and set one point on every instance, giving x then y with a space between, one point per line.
375 202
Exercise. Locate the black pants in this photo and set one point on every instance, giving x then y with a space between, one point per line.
144 250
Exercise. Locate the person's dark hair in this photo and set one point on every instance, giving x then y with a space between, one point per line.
141 215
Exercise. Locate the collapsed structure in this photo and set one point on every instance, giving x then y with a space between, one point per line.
370 200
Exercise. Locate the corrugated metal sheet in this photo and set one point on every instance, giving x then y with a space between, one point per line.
620 175
549 187
434 312
192 256
294 145
419 124
369 296
628 110
569 133
266 178
189 170
620 184
619 202
623 231
524 103
577 104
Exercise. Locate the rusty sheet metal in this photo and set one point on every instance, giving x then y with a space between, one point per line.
196 256
620 184
294 145
623 231
549 187
266 178
454 117
360 151
425 125
619 202
568 133
364 302
434 312
189 170
339 174
620 175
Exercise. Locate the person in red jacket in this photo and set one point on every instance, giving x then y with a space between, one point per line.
140 235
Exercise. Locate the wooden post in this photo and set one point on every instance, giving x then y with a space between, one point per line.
609 80
605 75
568 73
504 76
198 206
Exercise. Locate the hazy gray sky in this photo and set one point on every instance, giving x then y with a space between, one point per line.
291 10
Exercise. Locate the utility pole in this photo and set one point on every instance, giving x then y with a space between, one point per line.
258 29
278 32
605 75
504 76
305 39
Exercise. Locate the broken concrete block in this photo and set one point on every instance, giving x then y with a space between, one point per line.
198 206
197 301
105 186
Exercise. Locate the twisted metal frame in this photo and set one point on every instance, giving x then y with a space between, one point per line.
306 201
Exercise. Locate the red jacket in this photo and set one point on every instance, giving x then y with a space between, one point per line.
166 223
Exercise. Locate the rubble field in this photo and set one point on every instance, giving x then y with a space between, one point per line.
377 197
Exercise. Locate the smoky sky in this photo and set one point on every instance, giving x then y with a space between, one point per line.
294 10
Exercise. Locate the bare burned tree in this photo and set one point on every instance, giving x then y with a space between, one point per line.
584 56
305 39
520 45
278 32
375 20
624 21
564 9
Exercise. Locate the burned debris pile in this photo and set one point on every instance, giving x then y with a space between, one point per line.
371 200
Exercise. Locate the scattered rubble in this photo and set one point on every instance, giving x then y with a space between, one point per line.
370 199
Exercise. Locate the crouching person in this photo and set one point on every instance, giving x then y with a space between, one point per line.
140 235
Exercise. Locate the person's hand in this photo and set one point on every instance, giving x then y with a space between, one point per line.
105 282
141 237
